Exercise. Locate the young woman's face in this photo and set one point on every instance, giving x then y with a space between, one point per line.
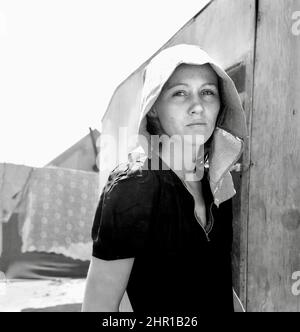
189 102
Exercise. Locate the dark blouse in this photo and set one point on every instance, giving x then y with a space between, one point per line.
179 266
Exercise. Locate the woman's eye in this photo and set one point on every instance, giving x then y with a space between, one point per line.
208 92
180 93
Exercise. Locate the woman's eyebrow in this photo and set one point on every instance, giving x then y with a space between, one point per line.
213 84
168 87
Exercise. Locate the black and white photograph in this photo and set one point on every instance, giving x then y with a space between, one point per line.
150 158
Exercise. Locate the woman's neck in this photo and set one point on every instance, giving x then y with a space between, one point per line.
184 159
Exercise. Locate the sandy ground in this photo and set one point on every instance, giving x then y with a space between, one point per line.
42 295
55 295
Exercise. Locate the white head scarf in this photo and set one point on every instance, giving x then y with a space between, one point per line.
228 137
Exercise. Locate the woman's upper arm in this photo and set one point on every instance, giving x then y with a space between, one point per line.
106 284
123 217
120 233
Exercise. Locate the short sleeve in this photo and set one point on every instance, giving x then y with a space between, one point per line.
121 224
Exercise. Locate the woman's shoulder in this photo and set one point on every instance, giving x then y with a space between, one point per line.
124 212
131 183
131 171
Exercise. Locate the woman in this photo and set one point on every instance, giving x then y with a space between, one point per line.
163 226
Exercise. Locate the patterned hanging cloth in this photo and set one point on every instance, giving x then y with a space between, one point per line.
60 206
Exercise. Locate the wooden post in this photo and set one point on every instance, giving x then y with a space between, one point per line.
1 239
274 190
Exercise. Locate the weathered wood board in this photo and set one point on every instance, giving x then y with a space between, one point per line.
274 192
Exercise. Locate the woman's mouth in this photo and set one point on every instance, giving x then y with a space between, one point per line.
196 124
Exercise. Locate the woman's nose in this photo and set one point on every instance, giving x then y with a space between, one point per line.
196 106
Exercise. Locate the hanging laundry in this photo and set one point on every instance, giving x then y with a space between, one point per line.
60 207
13 180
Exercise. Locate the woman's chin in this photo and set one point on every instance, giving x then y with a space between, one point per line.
195 138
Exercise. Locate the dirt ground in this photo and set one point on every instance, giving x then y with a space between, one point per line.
64 295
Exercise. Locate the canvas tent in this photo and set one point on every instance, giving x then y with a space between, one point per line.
81 156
